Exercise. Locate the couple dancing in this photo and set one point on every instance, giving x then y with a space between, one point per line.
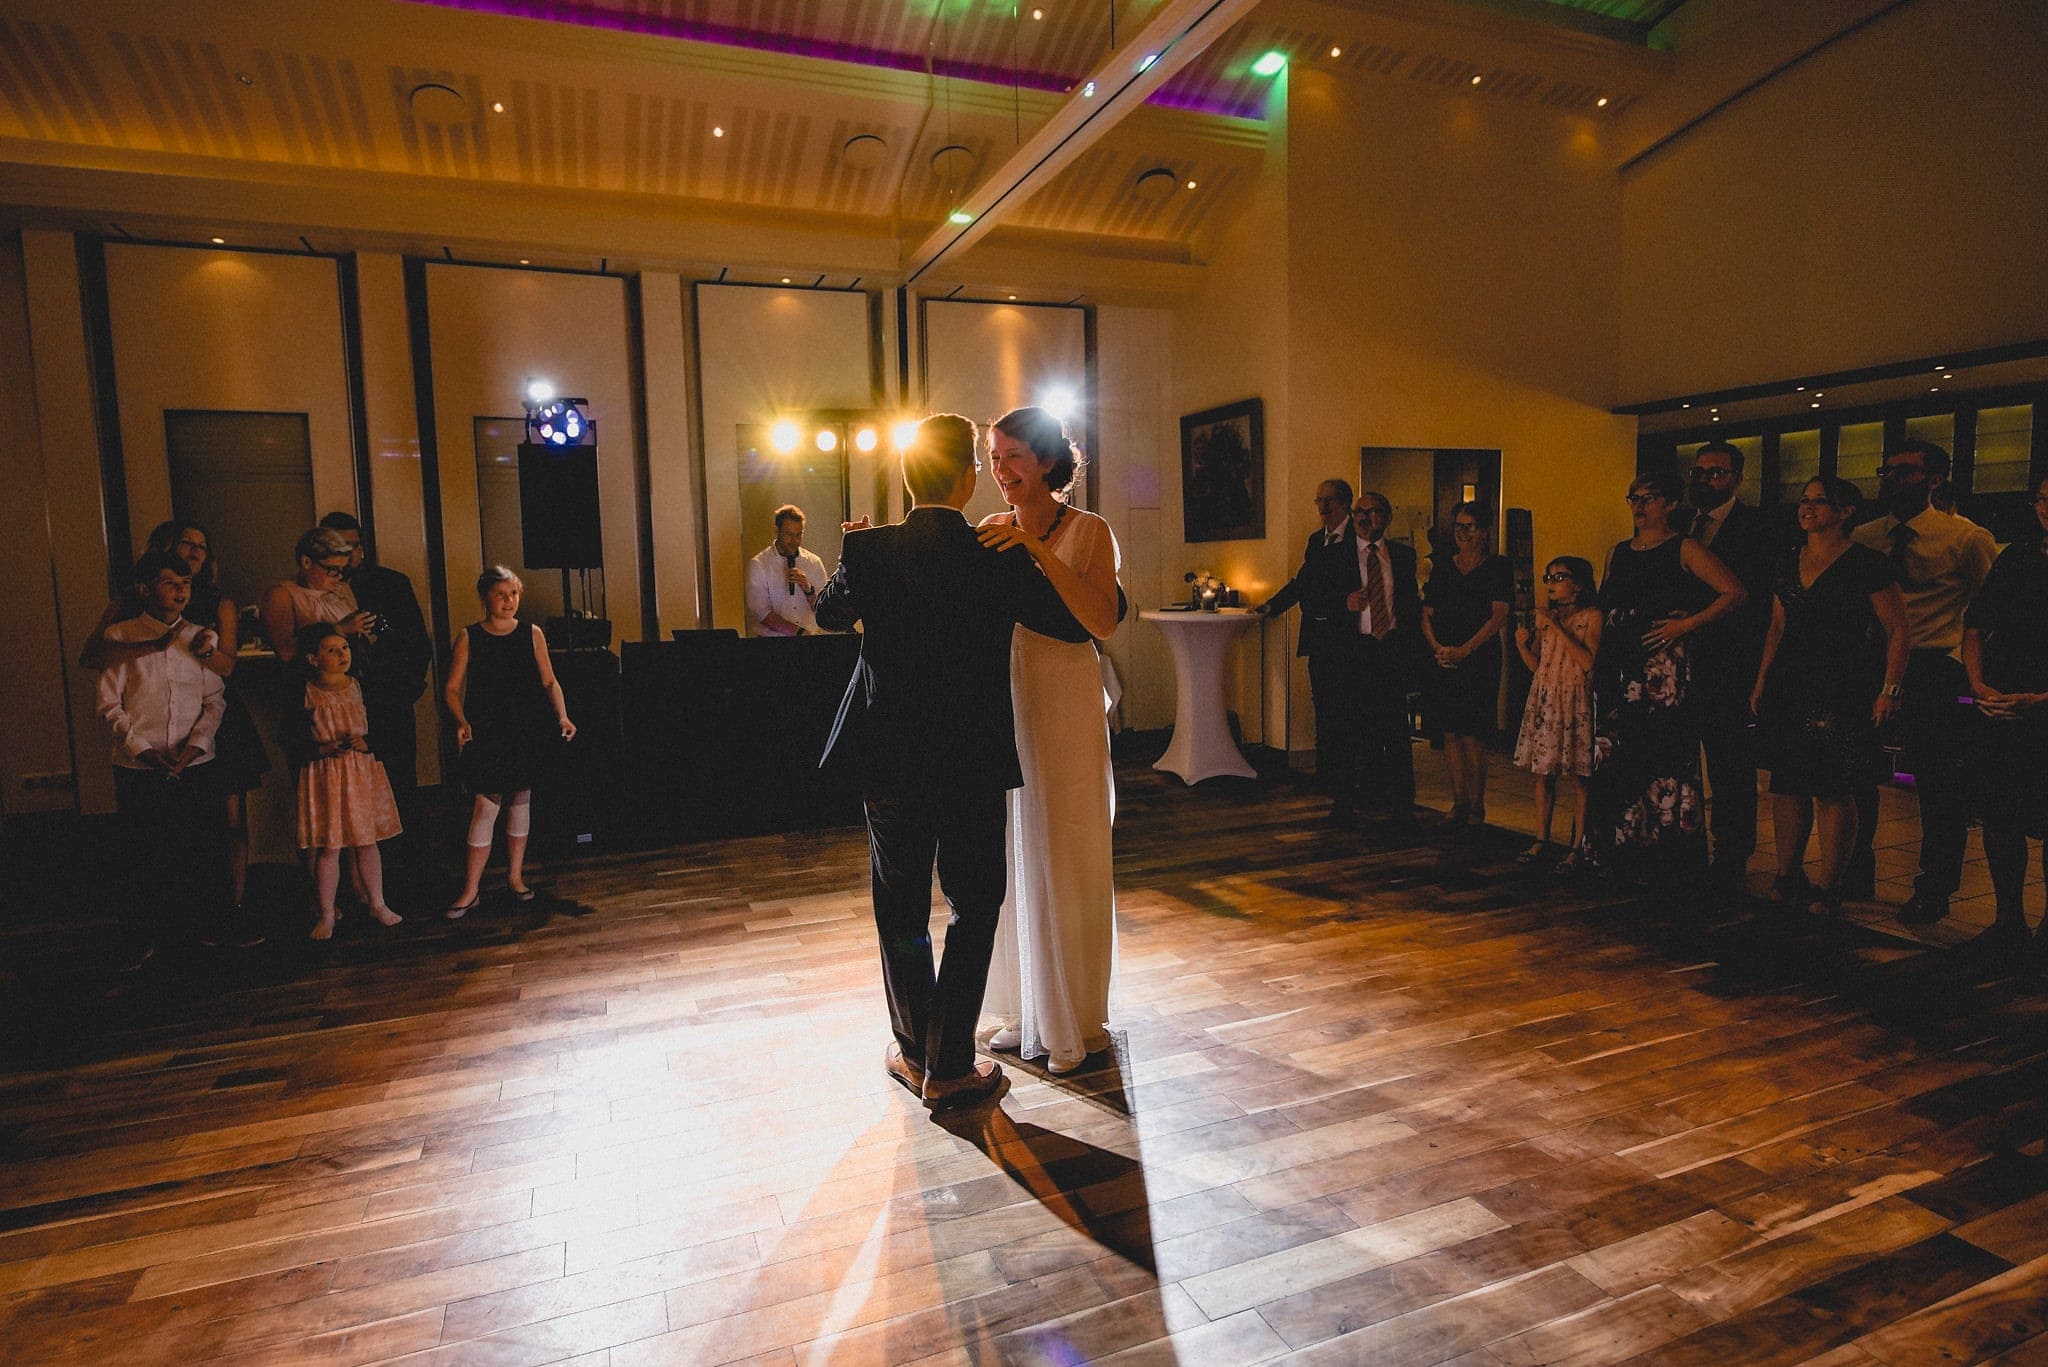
978 699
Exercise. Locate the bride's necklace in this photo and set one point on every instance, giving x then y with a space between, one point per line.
1059 512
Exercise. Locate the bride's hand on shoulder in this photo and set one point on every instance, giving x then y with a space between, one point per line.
1002 536
859 524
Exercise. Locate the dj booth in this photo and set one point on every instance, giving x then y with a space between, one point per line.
721 736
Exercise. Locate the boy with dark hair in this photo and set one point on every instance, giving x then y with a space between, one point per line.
163 707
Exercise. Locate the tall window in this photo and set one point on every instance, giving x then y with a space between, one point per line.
249 478
2005 440
497 507
1857 453
1798 463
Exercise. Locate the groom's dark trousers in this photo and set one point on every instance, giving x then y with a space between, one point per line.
927 726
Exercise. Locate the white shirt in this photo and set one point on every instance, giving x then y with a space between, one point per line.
1946 560
164 699
769 589
1366 550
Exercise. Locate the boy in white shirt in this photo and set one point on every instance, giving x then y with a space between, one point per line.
163 707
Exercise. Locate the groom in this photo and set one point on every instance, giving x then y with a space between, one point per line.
926 724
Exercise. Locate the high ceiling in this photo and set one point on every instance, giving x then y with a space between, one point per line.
763 136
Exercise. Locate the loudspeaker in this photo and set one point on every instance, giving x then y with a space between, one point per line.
558 520
575 801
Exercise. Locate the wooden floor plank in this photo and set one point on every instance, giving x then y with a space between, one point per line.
1365 1105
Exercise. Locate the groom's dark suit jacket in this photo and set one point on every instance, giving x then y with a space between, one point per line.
928 709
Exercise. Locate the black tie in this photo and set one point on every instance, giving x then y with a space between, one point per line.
1902 535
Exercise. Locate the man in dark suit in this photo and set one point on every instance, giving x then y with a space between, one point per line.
1726 656
1319 587
1385 630
927 726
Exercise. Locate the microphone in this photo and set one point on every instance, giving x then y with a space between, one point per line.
792 583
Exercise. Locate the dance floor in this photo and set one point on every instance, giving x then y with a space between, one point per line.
1368 1105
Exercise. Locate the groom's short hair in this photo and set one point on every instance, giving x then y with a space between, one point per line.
938 455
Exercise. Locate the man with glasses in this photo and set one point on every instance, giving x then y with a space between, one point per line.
1385 628
397 673
1729 651
1941 561
1320 586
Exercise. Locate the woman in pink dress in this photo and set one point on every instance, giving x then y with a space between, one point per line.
1557 722
345 800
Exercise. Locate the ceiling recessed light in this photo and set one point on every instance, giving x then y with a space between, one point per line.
960 217
524 261
497 106
785 280
1948 377
1477 79
1939 366
1717 420
1600 103
1685 405
717 132
1799 389
1713 410
219 241
1818 394
1270 64
1038 14
1191 185
1013 297
1336 52
245 78
863 152
1816 405
1934 389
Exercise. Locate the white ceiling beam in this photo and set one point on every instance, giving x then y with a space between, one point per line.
1176 36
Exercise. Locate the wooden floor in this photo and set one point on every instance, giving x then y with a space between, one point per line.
1366 1107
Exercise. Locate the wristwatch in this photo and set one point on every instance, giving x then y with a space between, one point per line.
1892 690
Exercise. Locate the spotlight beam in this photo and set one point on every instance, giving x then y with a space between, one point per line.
1178 34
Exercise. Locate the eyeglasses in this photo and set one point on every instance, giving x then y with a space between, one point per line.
1638 500
1323 500
1557 577
332 566
1712 472
1896 471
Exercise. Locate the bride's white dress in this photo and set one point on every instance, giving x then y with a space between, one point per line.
1055 950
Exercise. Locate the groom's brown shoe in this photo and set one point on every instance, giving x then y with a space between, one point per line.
903 1070
978 1084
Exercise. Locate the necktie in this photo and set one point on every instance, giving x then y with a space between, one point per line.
1377 604
1902 536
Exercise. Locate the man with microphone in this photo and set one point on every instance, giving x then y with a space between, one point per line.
784 579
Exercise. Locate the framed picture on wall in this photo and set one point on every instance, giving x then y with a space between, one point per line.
1223 472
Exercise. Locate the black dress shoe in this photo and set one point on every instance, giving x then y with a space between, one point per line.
1923 909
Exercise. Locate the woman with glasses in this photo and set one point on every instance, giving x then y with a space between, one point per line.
1464 607
1660 587
318 593
2005 651
1834 658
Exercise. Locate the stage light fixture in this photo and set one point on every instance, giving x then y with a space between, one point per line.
902 434
784 436
558 422
1270 64
539 391
865 440
960 217
1058 402
827 439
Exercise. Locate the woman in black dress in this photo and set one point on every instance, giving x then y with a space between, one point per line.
2005 651
510 709
1464 608
1832 665
1660 588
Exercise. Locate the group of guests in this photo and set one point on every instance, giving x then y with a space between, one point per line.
355 653
1714 645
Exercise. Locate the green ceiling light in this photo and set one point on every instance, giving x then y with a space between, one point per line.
961 217
1270 64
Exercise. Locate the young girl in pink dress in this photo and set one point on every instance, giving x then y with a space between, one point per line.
345 800
1557 723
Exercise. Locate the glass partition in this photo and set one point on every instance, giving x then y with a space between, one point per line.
1798 462
2005 441
249 478
1857 453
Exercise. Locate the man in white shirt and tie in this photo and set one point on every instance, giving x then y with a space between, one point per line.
784 579
1388 635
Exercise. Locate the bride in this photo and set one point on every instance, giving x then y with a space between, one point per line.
1056 945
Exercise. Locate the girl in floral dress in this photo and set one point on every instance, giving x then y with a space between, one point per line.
345 800
1557 723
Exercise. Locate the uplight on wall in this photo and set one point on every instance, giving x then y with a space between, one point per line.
784 436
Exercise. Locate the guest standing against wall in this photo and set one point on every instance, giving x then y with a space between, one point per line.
1327 643
1463 611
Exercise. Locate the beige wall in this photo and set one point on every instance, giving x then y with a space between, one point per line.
1882 200
35 748
1137 440
765 352
490 330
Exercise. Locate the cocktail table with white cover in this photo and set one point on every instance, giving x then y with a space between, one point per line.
1201 746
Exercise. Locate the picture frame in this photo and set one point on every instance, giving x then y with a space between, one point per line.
1223 472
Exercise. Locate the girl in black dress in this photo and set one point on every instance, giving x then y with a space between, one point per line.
503 725
1832 663
2005 650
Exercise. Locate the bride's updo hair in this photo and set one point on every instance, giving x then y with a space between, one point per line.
1046 435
